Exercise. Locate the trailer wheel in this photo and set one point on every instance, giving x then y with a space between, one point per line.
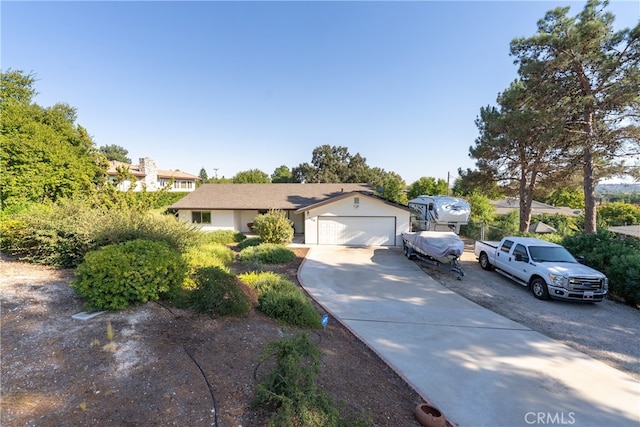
408 253
539 289
484 262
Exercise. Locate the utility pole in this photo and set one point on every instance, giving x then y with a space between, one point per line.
215 171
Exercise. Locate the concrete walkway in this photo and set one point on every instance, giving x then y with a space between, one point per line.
479 368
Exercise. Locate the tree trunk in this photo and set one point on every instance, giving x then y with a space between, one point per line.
589 184
589 192
525 203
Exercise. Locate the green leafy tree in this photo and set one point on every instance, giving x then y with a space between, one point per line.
115 152
616 214
44 155
282 174
331 164
393 187
251 176
586 74
427 186
569 197
203 175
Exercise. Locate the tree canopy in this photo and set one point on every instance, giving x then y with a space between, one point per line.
115 152
44 155
251 176
588 76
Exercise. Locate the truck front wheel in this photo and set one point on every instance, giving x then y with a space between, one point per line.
484 261
539 289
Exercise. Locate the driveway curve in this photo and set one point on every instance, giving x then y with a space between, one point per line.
479 368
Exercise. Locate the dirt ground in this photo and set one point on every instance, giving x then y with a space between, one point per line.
160 366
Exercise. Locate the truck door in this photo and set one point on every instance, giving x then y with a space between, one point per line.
519 262
502 255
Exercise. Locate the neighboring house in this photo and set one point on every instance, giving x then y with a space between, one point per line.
332 214
627 230
148 176
508 204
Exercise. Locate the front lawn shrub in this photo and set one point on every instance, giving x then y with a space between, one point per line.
219 293
115 276
128 224
251 241
266 253
56 234
224 237
282 300
290 390
209 255
274 227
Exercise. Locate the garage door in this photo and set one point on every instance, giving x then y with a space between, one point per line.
357 230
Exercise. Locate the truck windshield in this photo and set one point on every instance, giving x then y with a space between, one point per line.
550 254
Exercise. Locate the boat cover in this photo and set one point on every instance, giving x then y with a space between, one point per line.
436 244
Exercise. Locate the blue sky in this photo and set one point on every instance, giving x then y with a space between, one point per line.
242 85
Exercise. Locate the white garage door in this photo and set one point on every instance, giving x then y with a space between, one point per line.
357 230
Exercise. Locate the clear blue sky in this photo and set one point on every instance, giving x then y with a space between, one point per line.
235 86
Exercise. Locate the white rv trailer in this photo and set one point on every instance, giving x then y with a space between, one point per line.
439 213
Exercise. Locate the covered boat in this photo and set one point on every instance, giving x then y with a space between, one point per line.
441 248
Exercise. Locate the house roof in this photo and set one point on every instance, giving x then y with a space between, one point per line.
629 230
346 195
264 196
508 204
162 174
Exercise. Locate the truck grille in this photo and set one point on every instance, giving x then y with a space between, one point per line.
585 283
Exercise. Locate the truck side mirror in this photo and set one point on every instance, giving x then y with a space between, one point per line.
580 259
523 258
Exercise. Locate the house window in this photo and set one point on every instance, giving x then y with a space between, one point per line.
201 217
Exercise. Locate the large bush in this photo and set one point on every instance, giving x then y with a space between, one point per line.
55 234
224 237
129 224
219 293
115 276
60 234
281 299
618 213
266 253
274 227
615 256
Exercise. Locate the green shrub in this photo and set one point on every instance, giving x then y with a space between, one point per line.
224 237
266 253
274 227
209 255
218 293
624 277
251 241
115 276
123 225
614 256
55 234
290 389
282 300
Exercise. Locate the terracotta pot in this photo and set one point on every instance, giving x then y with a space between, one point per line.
430 416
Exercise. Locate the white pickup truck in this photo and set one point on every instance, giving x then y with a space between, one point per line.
548 269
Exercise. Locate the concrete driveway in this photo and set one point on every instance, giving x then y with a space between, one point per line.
479 368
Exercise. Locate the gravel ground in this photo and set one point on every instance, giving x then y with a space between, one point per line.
608 331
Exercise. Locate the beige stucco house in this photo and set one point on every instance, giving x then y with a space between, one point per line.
148 176
331 214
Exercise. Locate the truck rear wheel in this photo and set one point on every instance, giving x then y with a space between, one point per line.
484 262
539 289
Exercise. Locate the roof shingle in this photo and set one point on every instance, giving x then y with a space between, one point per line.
263 196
